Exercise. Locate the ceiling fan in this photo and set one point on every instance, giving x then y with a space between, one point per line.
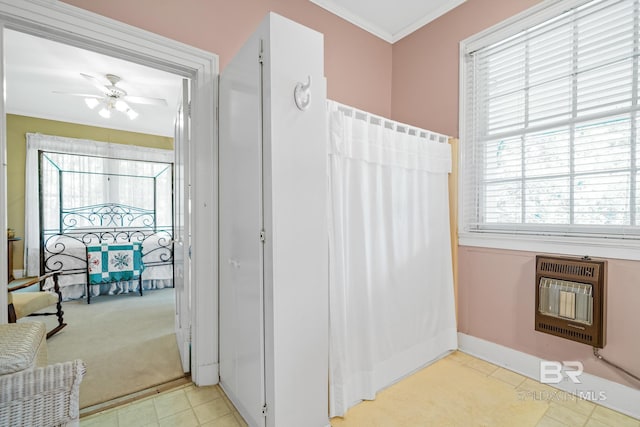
113 97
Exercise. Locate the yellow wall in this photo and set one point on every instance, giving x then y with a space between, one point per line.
19 126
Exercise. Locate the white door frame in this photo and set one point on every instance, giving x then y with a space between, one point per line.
78 27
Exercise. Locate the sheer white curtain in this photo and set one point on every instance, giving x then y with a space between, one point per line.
58 144
391 283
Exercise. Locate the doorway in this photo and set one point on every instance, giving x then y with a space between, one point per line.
112 182
68 25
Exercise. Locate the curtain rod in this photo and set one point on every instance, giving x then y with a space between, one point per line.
388 123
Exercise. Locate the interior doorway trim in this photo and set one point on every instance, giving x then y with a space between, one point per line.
77 27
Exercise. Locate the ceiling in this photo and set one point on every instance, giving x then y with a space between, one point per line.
390 20
36 68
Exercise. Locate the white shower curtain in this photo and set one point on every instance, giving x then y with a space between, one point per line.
391 284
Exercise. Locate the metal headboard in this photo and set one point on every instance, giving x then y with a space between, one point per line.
109 216
105 223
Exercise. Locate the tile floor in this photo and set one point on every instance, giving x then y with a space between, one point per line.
515 399
184 406
461 390
562 410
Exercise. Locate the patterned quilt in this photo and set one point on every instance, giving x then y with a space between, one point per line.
114 262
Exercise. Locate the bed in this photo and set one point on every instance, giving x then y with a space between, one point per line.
68 250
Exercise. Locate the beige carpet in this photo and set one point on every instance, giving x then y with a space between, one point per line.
127 342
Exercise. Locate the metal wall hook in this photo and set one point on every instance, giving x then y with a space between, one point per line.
302 94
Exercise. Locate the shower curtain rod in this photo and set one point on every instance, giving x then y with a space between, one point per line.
388 123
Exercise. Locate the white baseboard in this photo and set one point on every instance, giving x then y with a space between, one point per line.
208 375
616 396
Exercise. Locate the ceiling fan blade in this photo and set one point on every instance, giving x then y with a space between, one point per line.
102 88
146 100
84 95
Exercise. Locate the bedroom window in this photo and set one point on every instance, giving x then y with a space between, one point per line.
549 123
71 182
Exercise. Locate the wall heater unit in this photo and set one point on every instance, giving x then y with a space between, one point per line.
570 298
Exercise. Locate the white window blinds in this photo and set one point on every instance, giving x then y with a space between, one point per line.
550 126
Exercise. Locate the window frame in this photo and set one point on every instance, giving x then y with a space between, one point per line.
604 245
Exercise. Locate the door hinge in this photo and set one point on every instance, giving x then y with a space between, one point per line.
263 236
264 410
260 53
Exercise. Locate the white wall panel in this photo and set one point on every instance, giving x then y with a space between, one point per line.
241 283
296 218
294 267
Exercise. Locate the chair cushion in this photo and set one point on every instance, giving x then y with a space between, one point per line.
22 346
26 303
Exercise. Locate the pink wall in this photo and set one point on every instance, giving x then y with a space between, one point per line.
414 81
425 63
497 301
496 295
357 64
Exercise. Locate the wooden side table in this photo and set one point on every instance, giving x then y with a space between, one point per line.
10 256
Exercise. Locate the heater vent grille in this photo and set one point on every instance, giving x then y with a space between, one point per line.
570 298
581 336
577 270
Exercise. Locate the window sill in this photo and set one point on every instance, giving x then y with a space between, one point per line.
593 247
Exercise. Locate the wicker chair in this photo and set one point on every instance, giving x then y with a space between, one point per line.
45 397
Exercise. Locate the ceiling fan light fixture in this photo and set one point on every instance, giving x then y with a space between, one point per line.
132 114
121 106
91 102
113 98
105 113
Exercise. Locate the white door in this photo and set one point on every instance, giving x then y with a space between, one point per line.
182 230
241 222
